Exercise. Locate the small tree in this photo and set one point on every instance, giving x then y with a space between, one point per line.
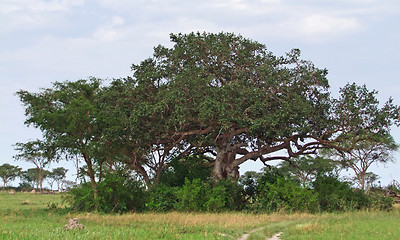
306 168
59 175
37 152
249 182
50 179
364 154
9 173
30 176
370 179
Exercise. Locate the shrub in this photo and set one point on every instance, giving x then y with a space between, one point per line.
225 195
380 202
192 195
334 195
197 195
269 175
24 187
81 198
162 198
117 192
285 194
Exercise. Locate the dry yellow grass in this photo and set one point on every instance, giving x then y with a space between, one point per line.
225 220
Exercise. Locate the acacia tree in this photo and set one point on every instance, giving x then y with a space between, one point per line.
59 176
366 127
56 175
31 176
50 177
307 168
9 173
38 152
66 115
365 153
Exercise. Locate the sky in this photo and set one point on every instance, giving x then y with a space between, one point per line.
44 41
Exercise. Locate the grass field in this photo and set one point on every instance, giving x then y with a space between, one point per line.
27 216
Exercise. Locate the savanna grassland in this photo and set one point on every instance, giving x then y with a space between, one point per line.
35 216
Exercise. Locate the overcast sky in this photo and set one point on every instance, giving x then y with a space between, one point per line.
43 41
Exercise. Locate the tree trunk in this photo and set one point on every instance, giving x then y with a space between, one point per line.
93 181
362 181
224 165
137 166
40 180
217 172
92 176
140 169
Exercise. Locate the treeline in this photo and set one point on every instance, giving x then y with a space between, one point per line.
33 177
220 97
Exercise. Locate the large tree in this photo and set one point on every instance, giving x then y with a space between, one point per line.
230 98
9 173
227 97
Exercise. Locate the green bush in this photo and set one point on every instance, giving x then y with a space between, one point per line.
192 196
225 195
285 194
117 192
334 195
269 175
24 187
162 198
81 198
380 202
200 196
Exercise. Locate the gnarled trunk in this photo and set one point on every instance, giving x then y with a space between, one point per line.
225 165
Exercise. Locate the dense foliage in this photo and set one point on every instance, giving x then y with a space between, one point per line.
272 192
118 192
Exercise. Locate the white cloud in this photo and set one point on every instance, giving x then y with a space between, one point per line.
111 31
234 4
32 14
322 24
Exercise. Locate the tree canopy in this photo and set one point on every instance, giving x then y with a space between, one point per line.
373 150
40 153
9 173
219 96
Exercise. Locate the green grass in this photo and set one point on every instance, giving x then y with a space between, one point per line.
355 225
27 216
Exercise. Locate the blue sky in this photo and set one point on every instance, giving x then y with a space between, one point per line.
43 41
